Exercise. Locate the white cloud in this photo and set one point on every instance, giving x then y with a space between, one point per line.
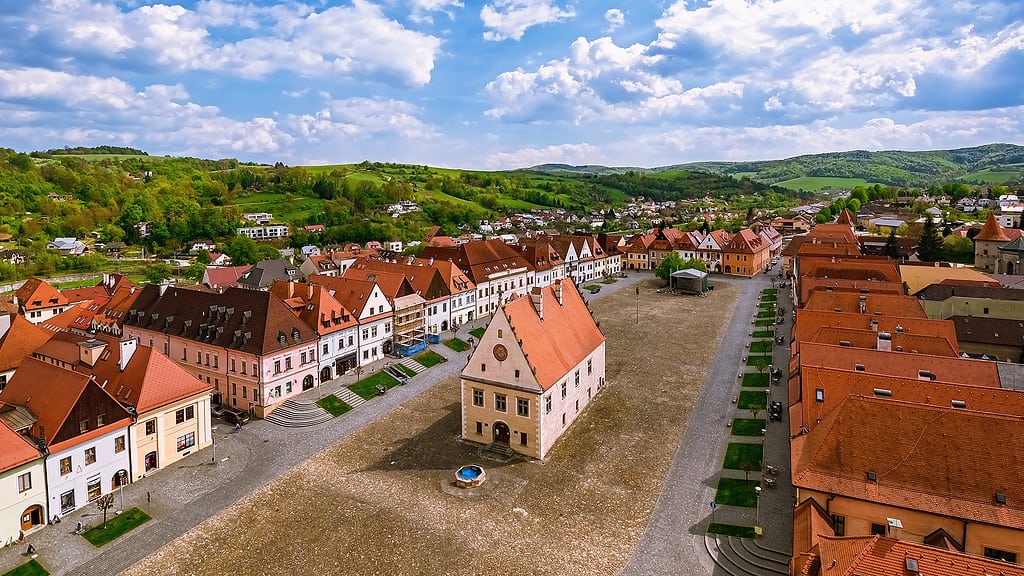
506 19
582 153
422 10
361 118
615 19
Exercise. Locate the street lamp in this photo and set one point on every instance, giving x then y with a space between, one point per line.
757 509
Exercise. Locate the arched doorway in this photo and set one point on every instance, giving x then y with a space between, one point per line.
728 269
151 462
501 433
120 478
31 517
444 326
307 382
1009 268
325 374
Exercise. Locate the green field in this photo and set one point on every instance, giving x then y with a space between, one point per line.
992 176
30 568
817 183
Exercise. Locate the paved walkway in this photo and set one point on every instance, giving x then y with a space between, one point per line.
674 541
181 496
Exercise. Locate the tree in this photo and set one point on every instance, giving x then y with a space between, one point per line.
104 503
671 263
892 247
929 246
695 263
195 271
158 272
242 251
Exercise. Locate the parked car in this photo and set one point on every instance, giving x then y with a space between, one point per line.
233 416
775 410
216 410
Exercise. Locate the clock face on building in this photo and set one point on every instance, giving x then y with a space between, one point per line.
500 352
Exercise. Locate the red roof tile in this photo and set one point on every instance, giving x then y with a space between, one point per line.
992 231
20 340
36 293
15 449
886 304
880 556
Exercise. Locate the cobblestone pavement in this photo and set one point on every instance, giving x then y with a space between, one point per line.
198 487
674 540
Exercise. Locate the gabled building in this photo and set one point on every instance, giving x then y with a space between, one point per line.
537 367
319 264
498 270
545 260
987 244
408 307
745 254
83 427
710 249
222 277
336 327
18 338
372 310
870 303
22 482
37 301
882 556
247 344
170 407
265 272
637 252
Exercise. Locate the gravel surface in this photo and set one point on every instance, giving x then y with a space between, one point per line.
380 500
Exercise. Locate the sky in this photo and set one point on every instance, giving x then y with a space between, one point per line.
505 84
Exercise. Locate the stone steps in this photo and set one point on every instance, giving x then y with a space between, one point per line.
349 397
294 414
727 555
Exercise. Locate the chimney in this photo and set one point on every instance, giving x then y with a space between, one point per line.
558 292
309 290
15 300
863 304
291 288
884 342
431 262
106 279
127 351
537 298
163 287
89 351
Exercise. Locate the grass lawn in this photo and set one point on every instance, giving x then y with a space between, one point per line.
770 291
457 344
334 405
764 322
755 380
590 287
405 370
367 387
738 454
732 530
477 332
609 281
817 183
752 399
30 568
747 426
736 492
752 360
766 313
760 346
117 525
429 358
767 305
764 334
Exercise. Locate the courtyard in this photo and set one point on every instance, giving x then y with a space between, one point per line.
380 500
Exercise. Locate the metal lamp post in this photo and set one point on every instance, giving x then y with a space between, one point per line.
757 509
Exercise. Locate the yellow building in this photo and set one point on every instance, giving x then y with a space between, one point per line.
536 368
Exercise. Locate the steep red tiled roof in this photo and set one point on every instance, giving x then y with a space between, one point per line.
868 340
886 304
992 231
881 556
77 317
746 241
392 284
813 284
900 364
20 340
845 218
352 294
560 340
810 523
875 268
224 276
937 460
15 449
809 322
315 305
36 293
480 259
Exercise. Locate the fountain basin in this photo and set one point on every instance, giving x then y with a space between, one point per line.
470 476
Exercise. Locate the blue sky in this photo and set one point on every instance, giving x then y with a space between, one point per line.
511 83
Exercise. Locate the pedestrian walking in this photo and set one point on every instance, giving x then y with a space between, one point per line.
149 497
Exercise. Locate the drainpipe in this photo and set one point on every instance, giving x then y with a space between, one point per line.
828 502
963 540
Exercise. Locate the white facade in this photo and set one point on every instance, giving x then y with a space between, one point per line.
17 501
335 347
501 286
462 306
84 471
375 327
264 232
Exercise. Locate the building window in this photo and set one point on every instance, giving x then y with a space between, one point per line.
93 489
1003 555
243 369
254 371
499 333
590 366
523 407
233 365
187 441
878 529
207 358
819 394
547 404
577 385
65 466
563 390
288 363
118 444
288 387
277 366
90 455
101 419
327 347
479 428
517 373
483 367
183 414
199 357
577 406
150 427
245 392
500 402
302 358
984 310
25 482
478 397
522 438
563 419
83 426
839 524
67 502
